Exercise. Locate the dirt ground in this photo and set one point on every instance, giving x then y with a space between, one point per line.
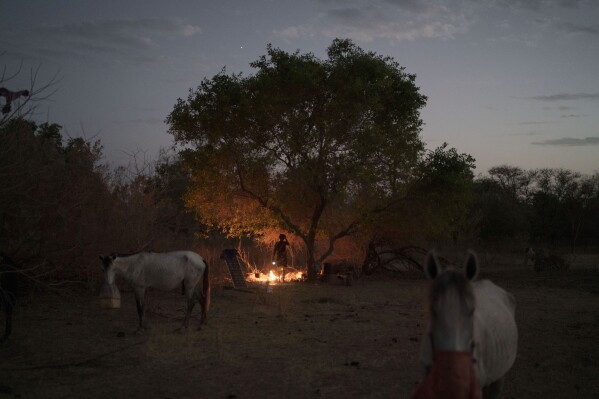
300 341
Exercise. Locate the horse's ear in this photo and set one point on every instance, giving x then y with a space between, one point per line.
471 266
431 265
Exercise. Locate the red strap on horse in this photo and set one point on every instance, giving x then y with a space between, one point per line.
450 377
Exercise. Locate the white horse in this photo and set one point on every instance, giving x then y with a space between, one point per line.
164 271
472 338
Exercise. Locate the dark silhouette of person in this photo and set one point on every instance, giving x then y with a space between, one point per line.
279 254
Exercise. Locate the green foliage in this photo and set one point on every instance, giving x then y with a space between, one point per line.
446 168
50 132
312 146
445 192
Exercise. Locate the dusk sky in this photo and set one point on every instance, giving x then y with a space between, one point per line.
508 81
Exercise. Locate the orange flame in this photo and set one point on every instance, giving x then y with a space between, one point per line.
274 277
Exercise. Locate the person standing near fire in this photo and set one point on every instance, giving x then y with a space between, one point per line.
279 254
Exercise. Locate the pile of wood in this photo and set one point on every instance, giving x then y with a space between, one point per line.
390 256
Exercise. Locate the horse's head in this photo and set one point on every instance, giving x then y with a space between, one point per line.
451 304
108 266
450 373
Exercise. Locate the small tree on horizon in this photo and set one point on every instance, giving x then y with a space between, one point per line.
314 147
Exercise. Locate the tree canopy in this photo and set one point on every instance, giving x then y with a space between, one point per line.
315 147
445 191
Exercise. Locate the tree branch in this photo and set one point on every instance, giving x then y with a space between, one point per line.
352 227
275 209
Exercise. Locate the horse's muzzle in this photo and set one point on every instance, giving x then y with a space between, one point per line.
450 377
110 296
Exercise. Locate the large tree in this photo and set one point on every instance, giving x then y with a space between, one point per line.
315 147
445 192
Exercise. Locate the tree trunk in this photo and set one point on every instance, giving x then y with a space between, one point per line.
312 270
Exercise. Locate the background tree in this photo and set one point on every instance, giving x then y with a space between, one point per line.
52 193
315 147
564 206
445 190
61 206
513 180
502 203
437 200
544 206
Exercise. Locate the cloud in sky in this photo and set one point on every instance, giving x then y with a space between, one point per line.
533 133
566 97
573 28
536 5
534 21
536 123
570 142
394 20
130 39
398 20
573 116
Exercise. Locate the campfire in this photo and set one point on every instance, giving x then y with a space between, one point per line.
274 277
